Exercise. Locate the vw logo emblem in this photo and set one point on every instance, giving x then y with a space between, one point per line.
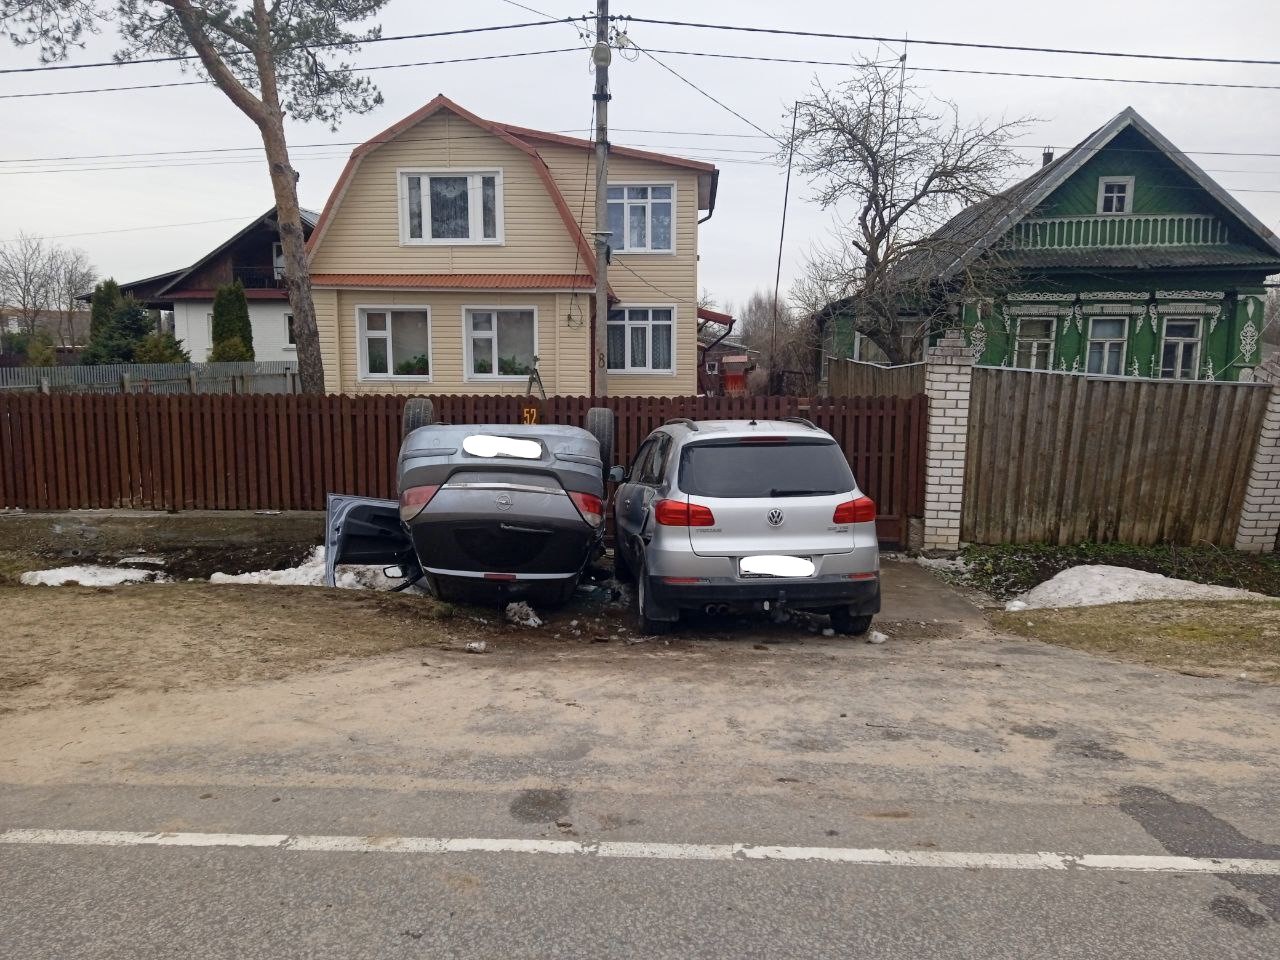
775 518
503 501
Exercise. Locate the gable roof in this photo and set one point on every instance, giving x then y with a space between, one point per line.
309 218
974 229
521 138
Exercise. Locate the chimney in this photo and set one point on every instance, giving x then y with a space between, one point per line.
1047 157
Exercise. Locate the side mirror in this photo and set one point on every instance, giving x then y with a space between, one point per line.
617 474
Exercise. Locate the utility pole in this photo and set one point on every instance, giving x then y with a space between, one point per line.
600 56
774 383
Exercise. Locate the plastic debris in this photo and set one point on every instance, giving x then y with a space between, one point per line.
875 636
522 615
477 646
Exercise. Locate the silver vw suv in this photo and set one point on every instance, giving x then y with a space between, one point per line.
765 515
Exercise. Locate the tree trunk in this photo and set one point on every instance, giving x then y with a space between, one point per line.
284 183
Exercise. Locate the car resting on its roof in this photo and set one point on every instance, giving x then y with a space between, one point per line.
485 512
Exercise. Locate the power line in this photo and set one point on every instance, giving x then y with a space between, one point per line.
946 43
210 83
985 73
155 226
304 46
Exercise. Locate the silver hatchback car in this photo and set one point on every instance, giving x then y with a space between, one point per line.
721 515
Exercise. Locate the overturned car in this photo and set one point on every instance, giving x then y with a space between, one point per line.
486 513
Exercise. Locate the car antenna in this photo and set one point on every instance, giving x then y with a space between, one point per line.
752 422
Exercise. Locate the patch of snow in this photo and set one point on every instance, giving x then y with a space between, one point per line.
875 636
310 573
145 561
522 615
1095 584
828 632
945 564
90 575
477 646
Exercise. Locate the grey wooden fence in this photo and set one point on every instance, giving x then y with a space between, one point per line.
266 376
1062 458
854 378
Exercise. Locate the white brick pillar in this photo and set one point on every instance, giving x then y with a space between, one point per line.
1260 515
947 379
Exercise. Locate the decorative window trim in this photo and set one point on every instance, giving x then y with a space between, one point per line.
362 356
1103 183
675 212
1190 294
648 371
1063 297
475 214
467 374
1018 339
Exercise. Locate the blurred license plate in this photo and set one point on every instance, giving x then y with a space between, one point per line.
775 566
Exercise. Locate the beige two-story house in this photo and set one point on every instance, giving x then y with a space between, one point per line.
455 252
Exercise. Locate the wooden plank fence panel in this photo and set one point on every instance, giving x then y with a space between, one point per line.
1065 458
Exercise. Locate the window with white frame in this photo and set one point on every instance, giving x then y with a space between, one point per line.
451 207
1115 195
290 340
642 217
501 342
1107 339
1034 350
641 339
395 342
713 366
1180 351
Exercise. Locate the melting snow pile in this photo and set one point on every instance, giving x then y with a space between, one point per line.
1096 584
522 615
89 575
310 573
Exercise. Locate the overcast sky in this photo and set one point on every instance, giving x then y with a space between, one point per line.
552 92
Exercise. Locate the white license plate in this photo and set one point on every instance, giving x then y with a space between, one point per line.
776 566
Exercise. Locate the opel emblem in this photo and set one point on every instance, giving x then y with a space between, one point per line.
503 501
775 518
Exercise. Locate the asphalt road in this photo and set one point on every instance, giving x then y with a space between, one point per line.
944 742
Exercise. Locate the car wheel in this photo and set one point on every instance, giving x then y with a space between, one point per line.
845 621
648 625
600 424
418 412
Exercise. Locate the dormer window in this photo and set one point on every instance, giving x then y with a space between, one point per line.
1115 195
450 206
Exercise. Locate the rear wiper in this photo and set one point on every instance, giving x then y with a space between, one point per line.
778 492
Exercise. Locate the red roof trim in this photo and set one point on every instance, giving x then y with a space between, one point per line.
561 139
715 316
457 281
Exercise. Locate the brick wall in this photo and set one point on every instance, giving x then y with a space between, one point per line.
948 378
1260 516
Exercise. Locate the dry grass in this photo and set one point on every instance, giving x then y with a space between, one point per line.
1208 638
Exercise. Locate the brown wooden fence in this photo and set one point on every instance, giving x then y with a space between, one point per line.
853 378
1064 458
286 452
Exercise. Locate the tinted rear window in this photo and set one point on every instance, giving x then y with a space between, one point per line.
792 469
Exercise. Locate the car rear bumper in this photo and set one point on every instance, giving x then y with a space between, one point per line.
811 593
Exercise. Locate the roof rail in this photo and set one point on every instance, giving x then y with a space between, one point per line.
685 420
802 421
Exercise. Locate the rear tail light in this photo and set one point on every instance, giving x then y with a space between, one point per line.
590 506
679 513
862 510
414 499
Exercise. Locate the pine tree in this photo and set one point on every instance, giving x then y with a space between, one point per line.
116 337
106 298
231 321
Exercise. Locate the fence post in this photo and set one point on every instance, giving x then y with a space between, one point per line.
44 385
124 383
191 381
947 381
1260 516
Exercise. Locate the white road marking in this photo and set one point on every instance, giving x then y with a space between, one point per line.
942 859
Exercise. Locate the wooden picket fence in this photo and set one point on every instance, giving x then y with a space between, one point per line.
286 452
855 378
1063 458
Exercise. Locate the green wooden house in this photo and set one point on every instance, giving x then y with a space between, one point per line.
1120 257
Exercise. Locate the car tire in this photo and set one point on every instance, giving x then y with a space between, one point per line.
418 412
600 424
648 624
622 571
845 621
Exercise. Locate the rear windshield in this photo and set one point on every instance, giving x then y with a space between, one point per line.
797 468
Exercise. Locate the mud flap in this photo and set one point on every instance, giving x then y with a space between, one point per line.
366 531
